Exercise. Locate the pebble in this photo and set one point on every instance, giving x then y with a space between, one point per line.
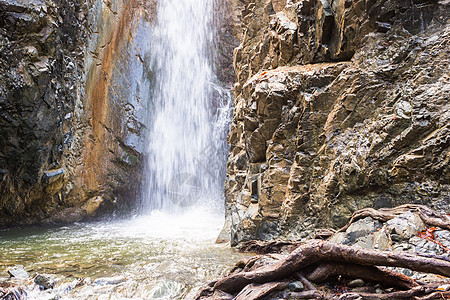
296 286
356 283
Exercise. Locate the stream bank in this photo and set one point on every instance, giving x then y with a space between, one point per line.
158 256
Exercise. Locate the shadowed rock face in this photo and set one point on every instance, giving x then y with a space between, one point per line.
338 106
70 130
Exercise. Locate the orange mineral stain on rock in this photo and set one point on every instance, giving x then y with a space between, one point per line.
98 143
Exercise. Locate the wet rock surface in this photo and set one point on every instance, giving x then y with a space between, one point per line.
18 272
338 106
66 150
292 270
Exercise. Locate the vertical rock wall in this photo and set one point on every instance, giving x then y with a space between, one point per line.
71 78
339 105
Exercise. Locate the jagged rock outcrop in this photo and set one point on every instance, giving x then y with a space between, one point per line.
70 132
338 106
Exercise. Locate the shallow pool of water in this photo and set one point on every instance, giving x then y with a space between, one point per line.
158 256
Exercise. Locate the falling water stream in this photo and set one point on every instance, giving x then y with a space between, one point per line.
167 251
182 143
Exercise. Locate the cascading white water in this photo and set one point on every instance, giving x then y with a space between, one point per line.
188 109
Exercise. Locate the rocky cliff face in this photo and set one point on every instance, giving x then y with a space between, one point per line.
339 105
70 131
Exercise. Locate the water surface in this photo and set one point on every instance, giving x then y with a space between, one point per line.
159 256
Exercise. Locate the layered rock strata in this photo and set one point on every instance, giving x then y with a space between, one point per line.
339 105
70 130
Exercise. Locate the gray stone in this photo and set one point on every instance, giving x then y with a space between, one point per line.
422 245
405 225
340 238
364 242
356 283
53 175
402 246
381 240
109 280
362 228
45 282
443 236
18 272
296 286
408 272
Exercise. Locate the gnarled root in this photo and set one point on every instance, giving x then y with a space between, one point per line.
428 216
316 261
327 270
316 251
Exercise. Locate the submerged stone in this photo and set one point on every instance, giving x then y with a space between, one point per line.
109 280
18 272
45 282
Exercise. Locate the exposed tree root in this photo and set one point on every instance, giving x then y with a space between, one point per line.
324 234
327 270
308 285
317 261
258 291
409 294
261 247
428 216
435 295
317 251
311 294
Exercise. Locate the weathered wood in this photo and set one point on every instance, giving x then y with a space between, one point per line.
263 247
308 285
258 291
435 295
409 294
324 233
326 270
316 251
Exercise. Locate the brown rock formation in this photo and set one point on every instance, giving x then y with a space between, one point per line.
71 121
338 106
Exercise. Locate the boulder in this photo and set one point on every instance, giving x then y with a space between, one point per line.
406 225
45 282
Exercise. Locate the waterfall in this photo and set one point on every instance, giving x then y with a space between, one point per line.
189 110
